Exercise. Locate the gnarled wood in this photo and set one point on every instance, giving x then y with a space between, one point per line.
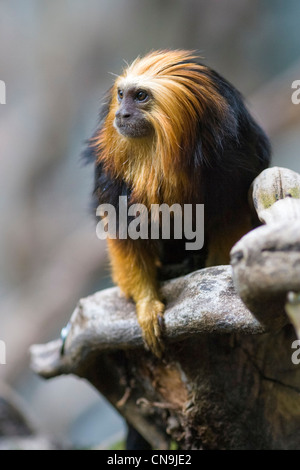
266 261
227 380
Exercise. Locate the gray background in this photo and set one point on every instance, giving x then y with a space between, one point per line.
56 58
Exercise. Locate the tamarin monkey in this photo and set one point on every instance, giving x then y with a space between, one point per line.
172 130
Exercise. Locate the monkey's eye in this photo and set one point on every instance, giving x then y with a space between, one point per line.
141 95
120 94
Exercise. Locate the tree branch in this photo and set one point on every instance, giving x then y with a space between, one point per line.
201 302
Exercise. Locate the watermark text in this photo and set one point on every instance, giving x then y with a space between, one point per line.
296 94
2 352
2 92
296 354
160 222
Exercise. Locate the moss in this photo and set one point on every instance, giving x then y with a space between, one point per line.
295 192
118 446
267 199
174 445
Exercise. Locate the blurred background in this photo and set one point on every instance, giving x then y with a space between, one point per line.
56 58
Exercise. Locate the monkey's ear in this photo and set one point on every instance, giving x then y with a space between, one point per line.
89 154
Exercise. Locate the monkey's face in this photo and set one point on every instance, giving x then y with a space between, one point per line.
130 117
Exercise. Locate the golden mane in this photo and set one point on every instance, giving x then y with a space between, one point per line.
183 92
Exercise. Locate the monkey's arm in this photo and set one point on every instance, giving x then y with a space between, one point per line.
134 269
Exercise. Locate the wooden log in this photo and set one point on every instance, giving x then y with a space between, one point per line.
105 346
203 302
219 384
266 261
227 380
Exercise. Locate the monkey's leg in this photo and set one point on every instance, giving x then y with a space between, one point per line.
134 269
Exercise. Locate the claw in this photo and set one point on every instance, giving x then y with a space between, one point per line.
161 322
150 317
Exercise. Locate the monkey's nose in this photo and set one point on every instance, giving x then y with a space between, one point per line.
123 114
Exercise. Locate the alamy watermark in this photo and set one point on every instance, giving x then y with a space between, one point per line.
2 92
2 352
160 222
296 354
2 343
296 94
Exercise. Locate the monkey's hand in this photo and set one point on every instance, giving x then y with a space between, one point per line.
150 317
134 268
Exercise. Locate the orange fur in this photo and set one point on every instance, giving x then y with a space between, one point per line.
154 167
